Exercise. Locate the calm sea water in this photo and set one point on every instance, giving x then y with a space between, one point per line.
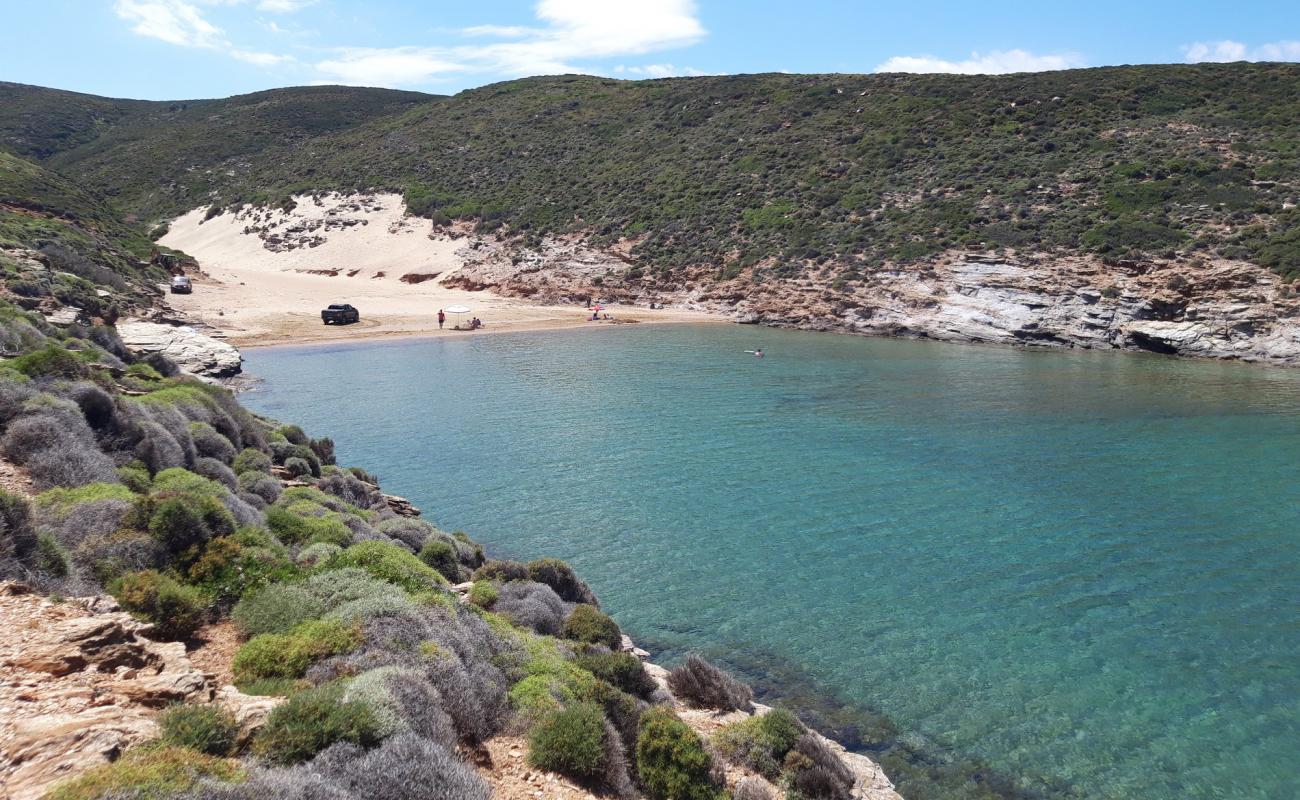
1080 568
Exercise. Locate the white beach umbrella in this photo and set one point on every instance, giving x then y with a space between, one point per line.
457 310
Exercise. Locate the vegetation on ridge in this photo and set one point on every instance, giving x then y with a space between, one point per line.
794 174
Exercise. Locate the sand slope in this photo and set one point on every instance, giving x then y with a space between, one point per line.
268 273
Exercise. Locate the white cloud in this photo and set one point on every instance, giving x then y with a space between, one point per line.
172 21
260 59
398 66
284 6
1228 50
994 62
181 23
573 31
658 70
502 31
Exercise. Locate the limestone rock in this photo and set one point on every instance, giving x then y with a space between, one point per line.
249 711
79 683
401 506
1206 308
194 352
53 747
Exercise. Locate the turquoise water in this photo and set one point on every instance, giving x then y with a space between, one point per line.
1079 568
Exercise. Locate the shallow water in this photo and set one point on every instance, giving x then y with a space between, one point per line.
1080 568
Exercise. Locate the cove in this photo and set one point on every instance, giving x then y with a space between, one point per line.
1079 569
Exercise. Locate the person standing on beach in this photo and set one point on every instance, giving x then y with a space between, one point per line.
441 318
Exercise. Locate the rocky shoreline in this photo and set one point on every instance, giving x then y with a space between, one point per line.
1219 309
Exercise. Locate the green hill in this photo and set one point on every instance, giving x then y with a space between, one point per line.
793 172
58 242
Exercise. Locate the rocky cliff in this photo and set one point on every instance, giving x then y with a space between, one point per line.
1209 309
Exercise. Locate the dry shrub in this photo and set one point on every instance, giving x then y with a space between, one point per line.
699 683
531 605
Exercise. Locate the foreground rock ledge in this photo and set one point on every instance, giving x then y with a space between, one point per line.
80 683
192 351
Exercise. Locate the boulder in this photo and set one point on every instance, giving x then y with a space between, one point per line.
192 351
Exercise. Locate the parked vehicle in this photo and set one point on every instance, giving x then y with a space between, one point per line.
340 314
181 284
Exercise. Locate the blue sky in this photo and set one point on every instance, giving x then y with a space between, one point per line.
174 49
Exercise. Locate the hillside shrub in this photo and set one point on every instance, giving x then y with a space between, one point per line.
348 488
50 361
135 478
230 569
276 608
390 563
207 729
292 528
414 533
570 741
57 449
816 772
313 554
51 558
442 557
534 606
333 587
483 594
175 610
560 576
214 470
260 484
297 467
760 742
17 536
502 571
149 772
590 625
251 460
108 558
752 788
700 684
209 443
672 761
312 720
402 767
288 655
158 449
179 523
624 671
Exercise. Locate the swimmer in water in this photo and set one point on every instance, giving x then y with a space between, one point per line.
757 353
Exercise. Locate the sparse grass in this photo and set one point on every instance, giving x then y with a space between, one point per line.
287 655
147 773
312 720
207 729
389 563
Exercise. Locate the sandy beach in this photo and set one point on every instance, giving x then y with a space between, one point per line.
266 275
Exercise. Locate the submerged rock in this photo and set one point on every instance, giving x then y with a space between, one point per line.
194 352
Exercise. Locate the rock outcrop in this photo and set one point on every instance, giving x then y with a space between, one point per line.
193 351
870 781
1228 310
1210 309
79 683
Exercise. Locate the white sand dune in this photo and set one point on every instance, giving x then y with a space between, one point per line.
268 273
